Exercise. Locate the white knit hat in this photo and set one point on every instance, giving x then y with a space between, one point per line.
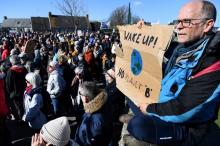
34 79
56 132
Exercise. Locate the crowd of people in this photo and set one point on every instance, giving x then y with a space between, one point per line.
73 74
46 82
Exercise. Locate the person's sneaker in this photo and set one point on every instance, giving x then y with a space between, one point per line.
132 141
125 118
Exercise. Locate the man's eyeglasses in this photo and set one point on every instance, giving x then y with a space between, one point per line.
189 22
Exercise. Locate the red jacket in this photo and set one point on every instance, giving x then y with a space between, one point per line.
5 54
88 57
3 104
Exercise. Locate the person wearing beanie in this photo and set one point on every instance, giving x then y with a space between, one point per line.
55 85
55 132
81 75
33 102
15 86
5 52
96 126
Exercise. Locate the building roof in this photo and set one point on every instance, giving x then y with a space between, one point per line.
17 23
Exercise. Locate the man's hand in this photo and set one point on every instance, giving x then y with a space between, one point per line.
143 107
140 23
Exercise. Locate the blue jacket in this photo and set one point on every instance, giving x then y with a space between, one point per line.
33 103
96 126
186 100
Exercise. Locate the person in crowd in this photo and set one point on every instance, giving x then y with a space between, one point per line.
5 138
15 85
117 100
96 126
23 58
184 112
14 51
5 52
81 75
33 102
37 55
55 132
106 45
68 77
106 62
55 85
44 53
89 59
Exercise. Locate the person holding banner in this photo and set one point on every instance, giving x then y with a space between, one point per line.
189 96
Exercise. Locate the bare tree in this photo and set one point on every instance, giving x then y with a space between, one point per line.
119 16
135 19
71 7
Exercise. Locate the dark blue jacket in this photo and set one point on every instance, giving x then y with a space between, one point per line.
96 126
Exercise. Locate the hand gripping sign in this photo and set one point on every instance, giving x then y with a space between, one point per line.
139 69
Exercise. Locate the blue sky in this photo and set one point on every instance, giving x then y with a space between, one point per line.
162 11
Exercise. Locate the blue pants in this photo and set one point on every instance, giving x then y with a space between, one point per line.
55 104
154 130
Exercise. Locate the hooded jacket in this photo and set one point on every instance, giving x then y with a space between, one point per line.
33 103
96 126
56 84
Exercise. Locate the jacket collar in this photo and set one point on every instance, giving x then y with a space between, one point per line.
97 103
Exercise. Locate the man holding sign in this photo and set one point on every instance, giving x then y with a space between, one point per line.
189 95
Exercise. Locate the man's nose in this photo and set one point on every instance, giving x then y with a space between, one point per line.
179 25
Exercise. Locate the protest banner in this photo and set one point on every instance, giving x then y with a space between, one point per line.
139 69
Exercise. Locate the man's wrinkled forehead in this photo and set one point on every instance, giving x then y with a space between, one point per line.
191 10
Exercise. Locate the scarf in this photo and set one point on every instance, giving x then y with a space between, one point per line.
28 89
179 51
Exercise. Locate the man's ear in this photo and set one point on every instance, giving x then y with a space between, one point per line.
209 25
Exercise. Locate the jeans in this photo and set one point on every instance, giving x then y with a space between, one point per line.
55 104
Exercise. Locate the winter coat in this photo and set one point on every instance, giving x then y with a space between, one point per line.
33 102
3 104
55 84
96 126
5 54
117 100
196 98
15 81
